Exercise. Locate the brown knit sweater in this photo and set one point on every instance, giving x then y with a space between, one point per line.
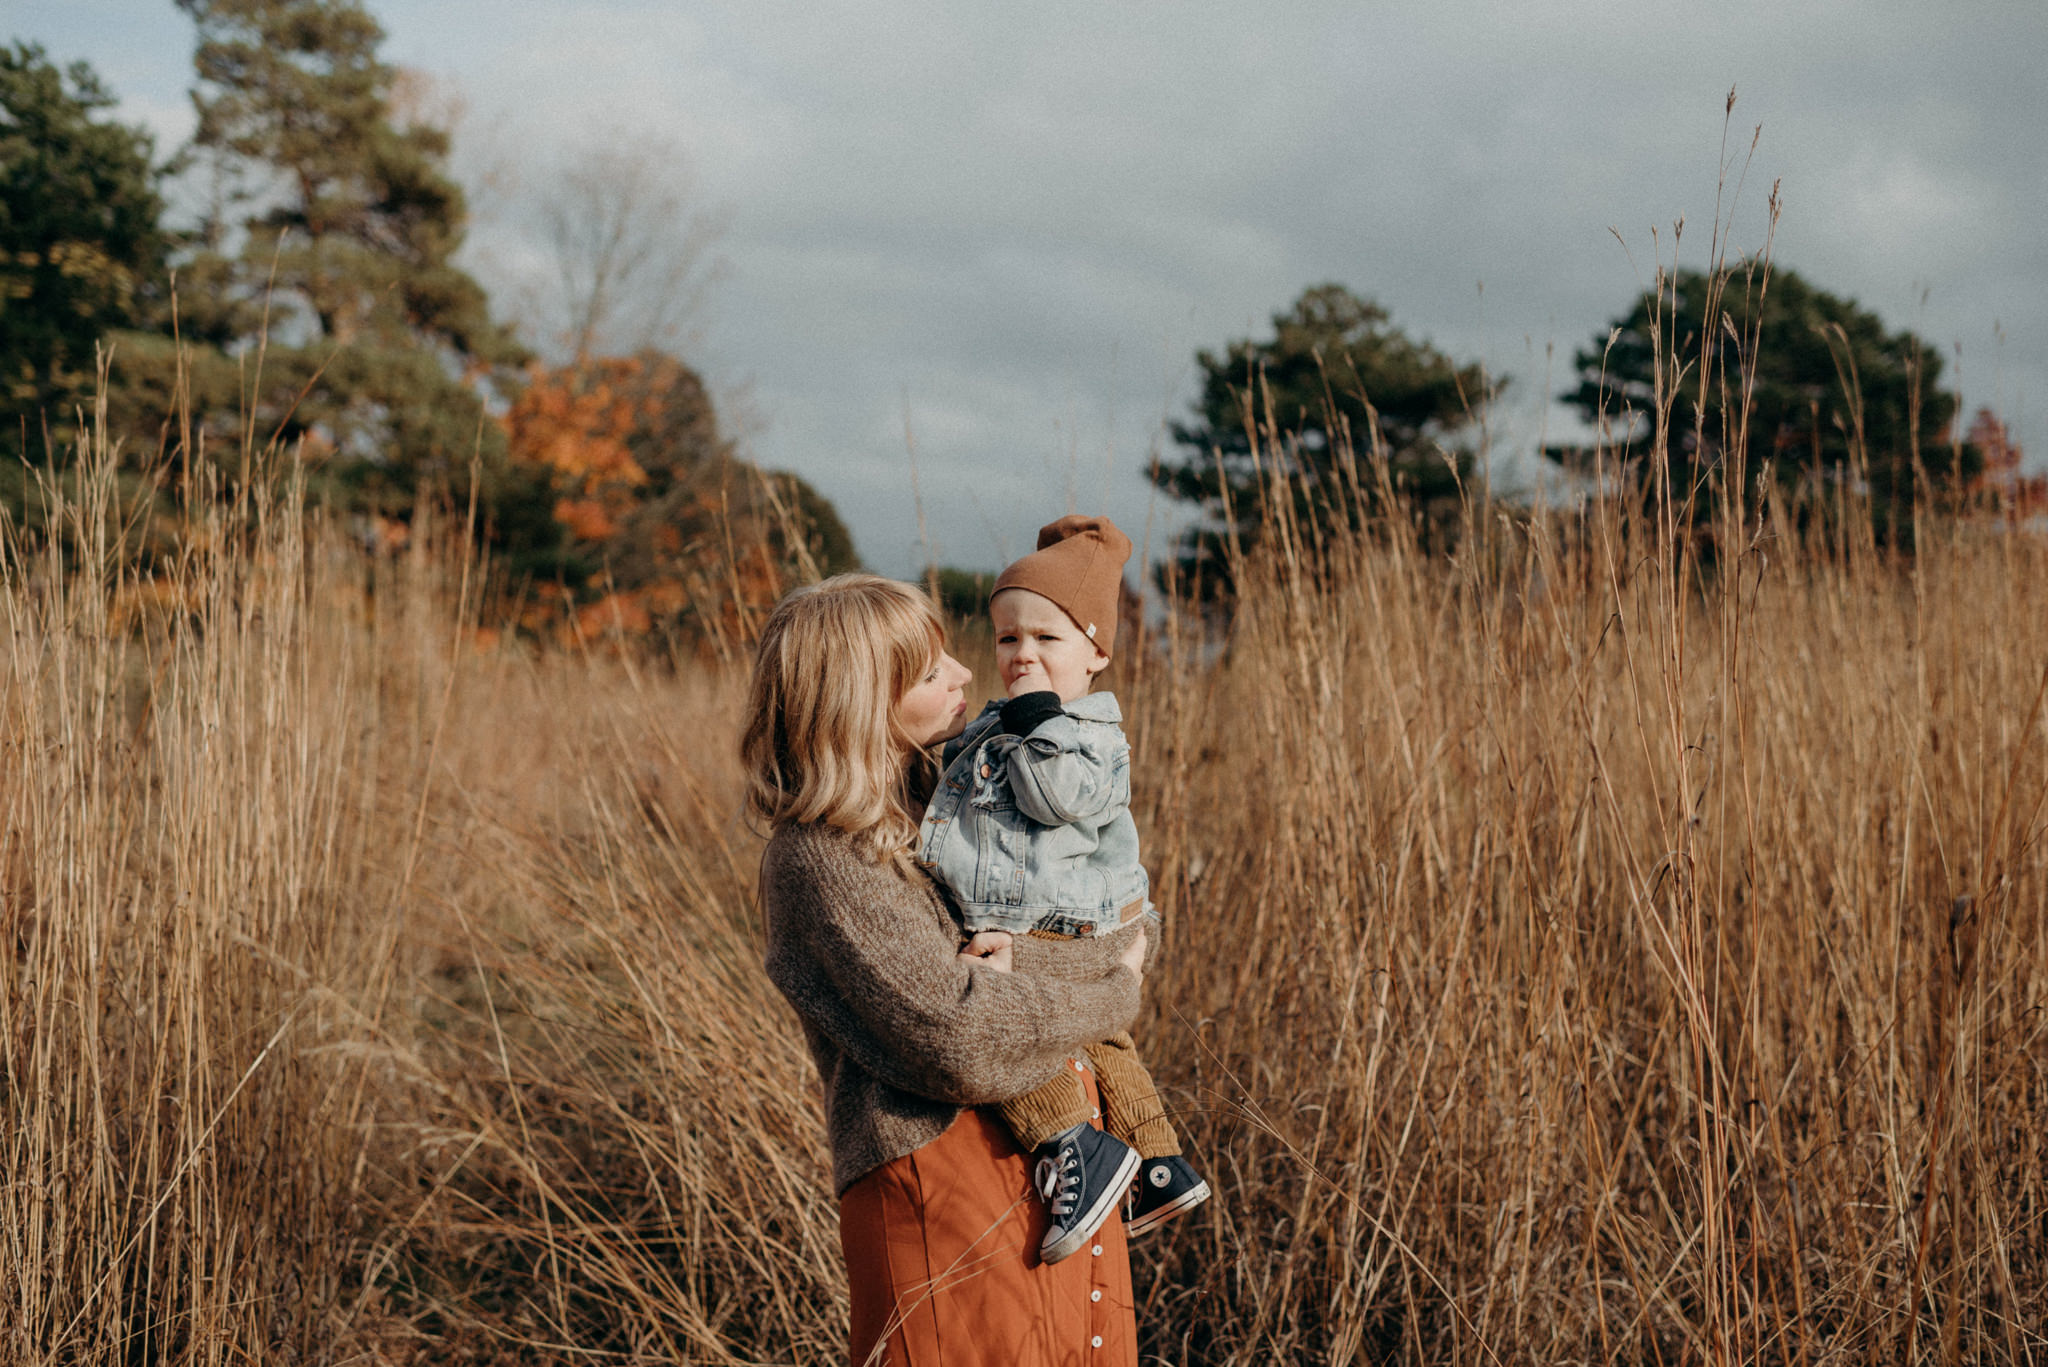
904 1031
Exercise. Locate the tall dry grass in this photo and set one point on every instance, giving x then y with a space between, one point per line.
1577 963
209 831
1579 948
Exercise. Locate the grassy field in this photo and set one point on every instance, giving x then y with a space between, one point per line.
1581 948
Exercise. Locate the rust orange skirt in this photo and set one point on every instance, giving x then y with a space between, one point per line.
942 1258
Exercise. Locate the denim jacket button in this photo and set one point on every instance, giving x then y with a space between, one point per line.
986 771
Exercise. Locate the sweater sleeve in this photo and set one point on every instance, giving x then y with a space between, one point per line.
862 956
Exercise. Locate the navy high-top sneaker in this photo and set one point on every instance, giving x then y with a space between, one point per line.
1082 1174
1167 1187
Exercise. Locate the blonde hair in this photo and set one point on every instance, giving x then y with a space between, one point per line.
822 741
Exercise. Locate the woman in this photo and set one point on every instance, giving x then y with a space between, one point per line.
852 688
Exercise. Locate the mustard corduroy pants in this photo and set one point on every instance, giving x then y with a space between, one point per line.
1131 1109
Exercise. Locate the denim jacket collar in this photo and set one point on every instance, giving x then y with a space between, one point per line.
1087 707
1095 707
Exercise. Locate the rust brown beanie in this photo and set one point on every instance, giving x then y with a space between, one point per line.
1079 565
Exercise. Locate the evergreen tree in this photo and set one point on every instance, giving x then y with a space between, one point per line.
325 265
812 517
81 252
1335 373
1833 391
962 594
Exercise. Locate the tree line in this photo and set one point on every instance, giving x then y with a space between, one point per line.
318 306
1747 382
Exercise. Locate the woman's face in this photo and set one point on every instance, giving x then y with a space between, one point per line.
935 708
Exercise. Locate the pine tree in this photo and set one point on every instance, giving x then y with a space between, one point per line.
82 254
1806 381
1336 388
324 283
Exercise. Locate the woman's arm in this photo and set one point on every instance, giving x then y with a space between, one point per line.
865 957
1080 960
996 949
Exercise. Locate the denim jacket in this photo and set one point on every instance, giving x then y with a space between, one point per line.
1035 832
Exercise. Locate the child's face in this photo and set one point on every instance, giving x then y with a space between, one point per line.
1039 647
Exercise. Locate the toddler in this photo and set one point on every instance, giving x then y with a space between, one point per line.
1031 831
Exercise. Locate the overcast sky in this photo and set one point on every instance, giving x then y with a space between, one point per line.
1016 224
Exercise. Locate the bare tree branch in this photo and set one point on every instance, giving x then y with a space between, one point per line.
602 247
633 254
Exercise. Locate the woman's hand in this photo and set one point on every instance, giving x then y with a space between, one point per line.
990 947
1134 957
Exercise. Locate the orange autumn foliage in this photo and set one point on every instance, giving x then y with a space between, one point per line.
586 518
575 422
663 527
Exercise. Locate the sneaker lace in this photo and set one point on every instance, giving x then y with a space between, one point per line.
1059 1182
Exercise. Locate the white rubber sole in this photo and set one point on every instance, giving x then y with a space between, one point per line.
1093 1218
1179 1205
